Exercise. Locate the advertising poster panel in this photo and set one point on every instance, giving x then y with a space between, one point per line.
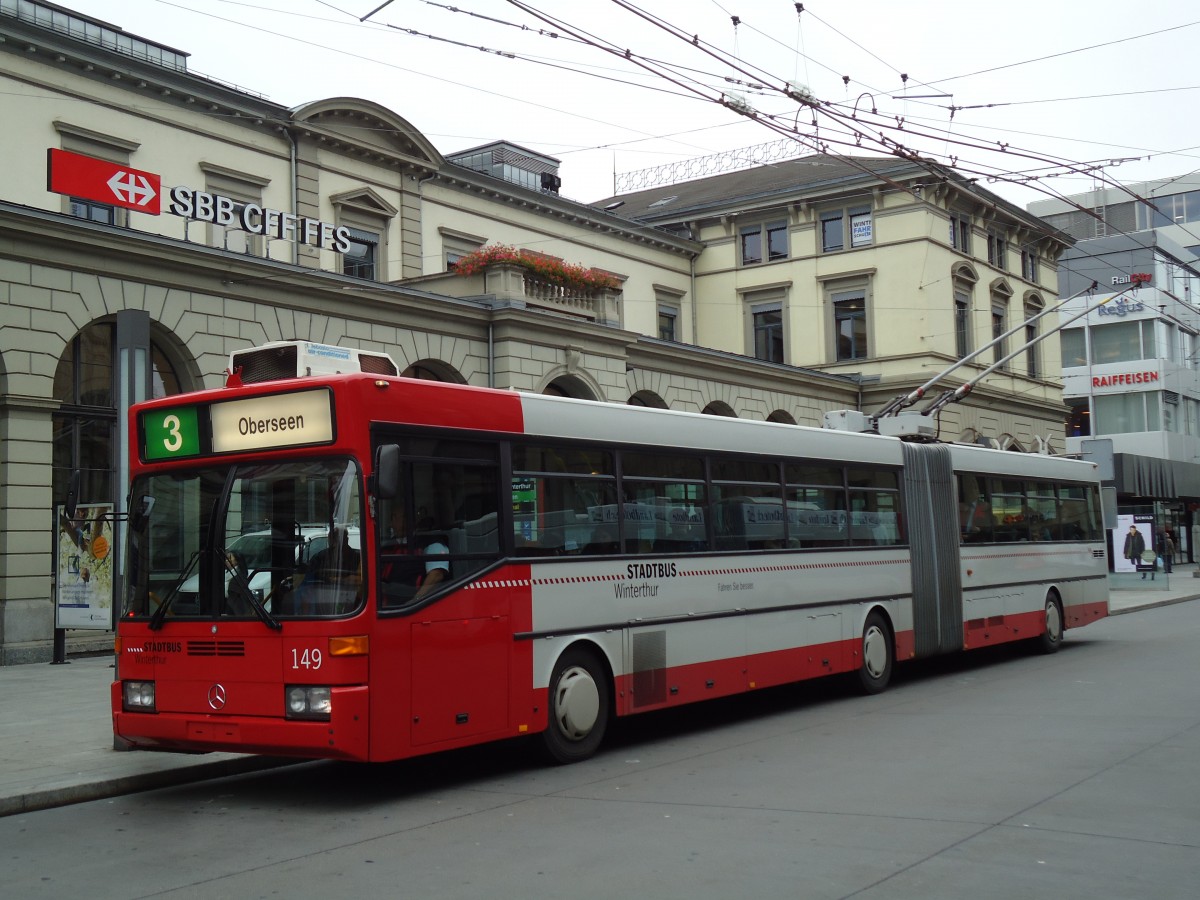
83 567
1133 543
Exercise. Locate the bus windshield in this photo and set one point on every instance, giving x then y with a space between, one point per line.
252 540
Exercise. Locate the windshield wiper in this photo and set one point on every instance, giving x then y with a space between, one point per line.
156 620
242 583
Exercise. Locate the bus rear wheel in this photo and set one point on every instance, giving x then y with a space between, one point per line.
878 654
1052 634
579 706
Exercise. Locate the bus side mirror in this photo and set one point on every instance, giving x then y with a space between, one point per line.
140 514
387 471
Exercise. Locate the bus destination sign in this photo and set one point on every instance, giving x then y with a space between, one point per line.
295 419
277 420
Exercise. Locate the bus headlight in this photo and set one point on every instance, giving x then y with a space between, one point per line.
306 701
138 695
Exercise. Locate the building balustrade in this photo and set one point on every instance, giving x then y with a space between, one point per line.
516 286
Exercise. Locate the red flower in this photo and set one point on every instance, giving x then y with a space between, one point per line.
568 275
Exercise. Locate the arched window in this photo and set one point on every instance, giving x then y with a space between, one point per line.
570 386
647 398
719 408
1001 296
433 370
964 286
86 421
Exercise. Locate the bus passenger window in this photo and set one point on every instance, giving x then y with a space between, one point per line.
874 507
1076 513
1042 513
975 515
1009 510
559 493
603 541
412 561
816 505
442 525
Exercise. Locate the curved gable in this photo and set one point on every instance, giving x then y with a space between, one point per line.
367 124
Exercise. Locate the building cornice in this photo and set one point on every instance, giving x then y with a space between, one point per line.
186 89
579 214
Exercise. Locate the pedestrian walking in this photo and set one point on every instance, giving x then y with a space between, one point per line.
1166 548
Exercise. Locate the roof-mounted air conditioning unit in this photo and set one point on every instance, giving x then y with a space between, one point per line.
299 359
909 425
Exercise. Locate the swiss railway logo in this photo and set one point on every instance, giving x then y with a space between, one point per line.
104 182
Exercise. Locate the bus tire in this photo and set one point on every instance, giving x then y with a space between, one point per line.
1052 633
579 706
878 654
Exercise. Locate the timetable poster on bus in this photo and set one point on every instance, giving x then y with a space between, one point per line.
524 506
1133 543
83 567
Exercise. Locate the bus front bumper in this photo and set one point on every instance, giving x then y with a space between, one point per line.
343 736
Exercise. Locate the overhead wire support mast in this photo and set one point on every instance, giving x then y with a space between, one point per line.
958 393
906 400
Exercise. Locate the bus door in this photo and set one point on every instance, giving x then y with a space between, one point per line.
929 498
436 531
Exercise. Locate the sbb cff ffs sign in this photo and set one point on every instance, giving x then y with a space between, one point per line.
117 185
105 182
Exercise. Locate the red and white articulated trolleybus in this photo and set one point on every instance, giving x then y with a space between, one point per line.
366 567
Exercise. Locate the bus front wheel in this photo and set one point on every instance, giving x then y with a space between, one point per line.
878 654
579 707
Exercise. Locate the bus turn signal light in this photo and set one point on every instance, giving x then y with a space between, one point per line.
352 645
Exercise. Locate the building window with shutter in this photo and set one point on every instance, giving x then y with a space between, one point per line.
667 318
962 324
765 242
851 227
93 211
850 325
360 259
1033 308
997 249
768 331
960 232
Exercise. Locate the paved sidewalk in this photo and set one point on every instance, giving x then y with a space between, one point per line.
56 734
56 741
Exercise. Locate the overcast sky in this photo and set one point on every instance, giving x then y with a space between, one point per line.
1060 82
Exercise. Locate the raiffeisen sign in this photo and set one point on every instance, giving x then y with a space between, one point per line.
96 179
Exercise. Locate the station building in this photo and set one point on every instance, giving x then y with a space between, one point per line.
154 219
